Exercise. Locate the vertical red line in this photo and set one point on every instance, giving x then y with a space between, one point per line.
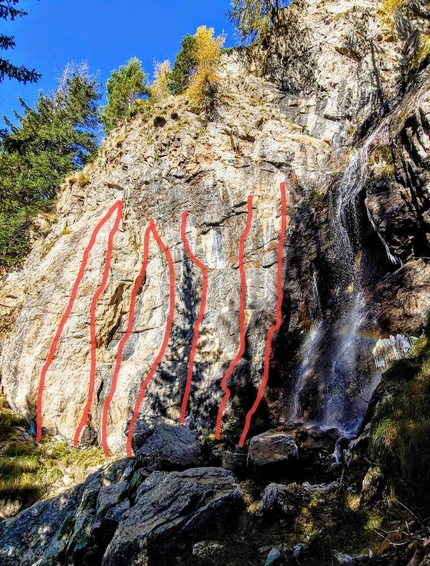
277 324
242 305
165 340
93 341
124 339
196 327
117 205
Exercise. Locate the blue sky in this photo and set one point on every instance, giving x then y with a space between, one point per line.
104 33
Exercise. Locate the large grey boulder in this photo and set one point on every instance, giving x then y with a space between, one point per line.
171 507
272 447
119 517
166 445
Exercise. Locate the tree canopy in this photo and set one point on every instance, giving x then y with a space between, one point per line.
53 139
123 87
204 80
159 89
185 64
9 11
253 17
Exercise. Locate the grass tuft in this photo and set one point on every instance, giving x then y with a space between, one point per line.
30 471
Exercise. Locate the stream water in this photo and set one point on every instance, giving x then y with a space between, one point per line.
337 373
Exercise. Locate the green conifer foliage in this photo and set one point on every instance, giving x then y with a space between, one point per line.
124 86
9 11
55 138
253 17
184 66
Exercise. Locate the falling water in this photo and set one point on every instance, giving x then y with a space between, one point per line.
339 381
336 373
317 310
309 357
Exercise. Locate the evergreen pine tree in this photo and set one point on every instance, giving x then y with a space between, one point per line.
253 17
55 138
123 87
8 11
184 66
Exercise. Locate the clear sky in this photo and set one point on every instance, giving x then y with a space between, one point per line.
104 33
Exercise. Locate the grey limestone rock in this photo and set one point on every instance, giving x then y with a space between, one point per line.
344 96
110 521
168 507
166 444
272 447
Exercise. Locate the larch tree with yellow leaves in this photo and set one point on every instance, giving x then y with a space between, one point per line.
159 89
204 81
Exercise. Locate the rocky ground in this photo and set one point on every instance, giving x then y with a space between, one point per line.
295 496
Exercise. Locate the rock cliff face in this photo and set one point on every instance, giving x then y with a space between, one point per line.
250 275
131 306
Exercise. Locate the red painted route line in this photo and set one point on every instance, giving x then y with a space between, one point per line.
165 340
117 207
197 323
126 336
224 382
277 324
93 352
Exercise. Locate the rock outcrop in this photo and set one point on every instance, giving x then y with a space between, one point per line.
135 303
166 445
120 517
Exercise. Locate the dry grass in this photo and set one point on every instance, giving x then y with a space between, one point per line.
30 471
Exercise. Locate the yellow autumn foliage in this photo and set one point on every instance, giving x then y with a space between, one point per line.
160 87
387 12
205 80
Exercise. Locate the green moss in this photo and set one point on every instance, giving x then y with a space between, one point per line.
381 161
381 153
317 198
46 249
421 53
8 420
66 230
400 434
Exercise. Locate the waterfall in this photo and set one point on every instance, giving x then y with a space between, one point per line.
337 375
309 357
338 410
316 310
